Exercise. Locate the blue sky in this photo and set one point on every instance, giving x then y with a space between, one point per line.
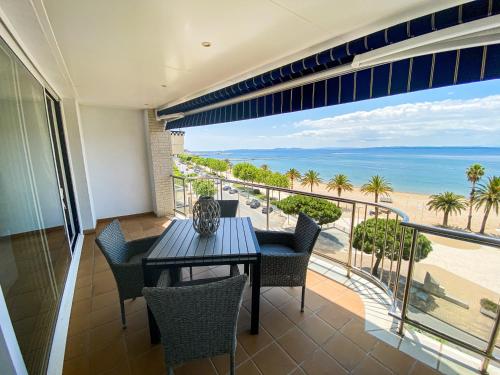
463 115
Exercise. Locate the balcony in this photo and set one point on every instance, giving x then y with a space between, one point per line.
351 324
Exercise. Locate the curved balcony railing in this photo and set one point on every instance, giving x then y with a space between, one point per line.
395 265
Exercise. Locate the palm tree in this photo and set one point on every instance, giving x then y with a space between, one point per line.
229 166
339 182
474 174
310 178
292 174
447 202
488 195
377 185
264 167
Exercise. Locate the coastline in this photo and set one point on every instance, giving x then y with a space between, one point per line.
415 206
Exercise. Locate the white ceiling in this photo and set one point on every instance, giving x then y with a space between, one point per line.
120 52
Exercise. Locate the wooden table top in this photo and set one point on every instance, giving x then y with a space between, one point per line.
234 240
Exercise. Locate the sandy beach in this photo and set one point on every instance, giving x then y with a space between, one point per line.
415 206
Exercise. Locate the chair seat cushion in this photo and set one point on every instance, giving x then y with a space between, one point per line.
275 249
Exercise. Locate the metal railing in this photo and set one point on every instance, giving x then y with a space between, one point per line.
373 240
468 336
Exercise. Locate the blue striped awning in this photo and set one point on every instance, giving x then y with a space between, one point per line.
406 75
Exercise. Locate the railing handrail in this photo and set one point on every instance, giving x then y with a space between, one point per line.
455 234
404 216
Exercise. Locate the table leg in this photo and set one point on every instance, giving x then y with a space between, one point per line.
255 298
151 276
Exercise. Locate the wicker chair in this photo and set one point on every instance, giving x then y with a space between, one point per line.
285 256
197 318
228 208
125 260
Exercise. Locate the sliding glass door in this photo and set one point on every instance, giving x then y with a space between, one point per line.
37 214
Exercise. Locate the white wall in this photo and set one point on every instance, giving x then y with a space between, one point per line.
115 151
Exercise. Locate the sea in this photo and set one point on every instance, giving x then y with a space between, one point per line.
426 170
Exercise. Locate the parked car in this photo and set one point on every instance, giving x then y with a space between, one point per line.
226 188
233 191
386 199
249 202
264 209
254 204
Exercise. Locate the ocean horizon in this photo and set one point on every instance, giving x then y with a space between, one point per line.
424 170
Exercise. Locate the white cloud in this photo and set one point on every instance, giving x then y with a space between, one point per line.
445 121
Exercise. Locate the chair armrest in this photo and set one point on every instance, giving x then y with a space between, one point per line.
141 245
275 237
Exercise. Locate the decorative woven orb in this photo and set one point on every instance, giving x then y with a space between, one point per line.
206 216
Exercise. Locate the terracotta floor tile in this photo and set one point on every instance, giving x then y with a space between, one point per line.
108 357
132 305
264 306
274 361
102 300
221 362
398 362
83 281
122 368
297 344
77 345
277 296
105 334
254 343
335 316
82 293
314 301
150 363
276 323
352 303
138 342
372 367
317 329
137 320
104 315
199 366
292 312
320 363
344 351
77 366
294 291
314 278
78 325
248 368
355 331
82 307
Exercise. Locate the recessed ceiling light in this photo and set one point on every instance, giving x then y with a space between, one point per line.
146 104
163 85
206 44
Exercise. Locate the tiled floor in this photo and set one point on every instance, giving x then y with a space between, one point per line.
328 338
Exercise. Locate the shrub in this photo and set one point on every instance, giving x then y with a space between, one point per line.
321 210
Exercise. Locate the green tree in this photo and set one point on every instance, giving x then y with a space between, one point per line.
204 188
474 174
447 202
310 178
339 182
370 236
292 174
321 210
377 185
488 195
245 171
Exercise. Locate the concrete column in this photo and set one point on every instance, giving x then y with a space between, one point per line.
160 164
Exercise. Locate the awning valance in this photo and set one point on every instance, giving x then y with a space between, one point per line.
339 75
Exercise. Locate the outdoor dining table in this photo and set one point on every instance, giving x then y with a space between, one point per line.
181 246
